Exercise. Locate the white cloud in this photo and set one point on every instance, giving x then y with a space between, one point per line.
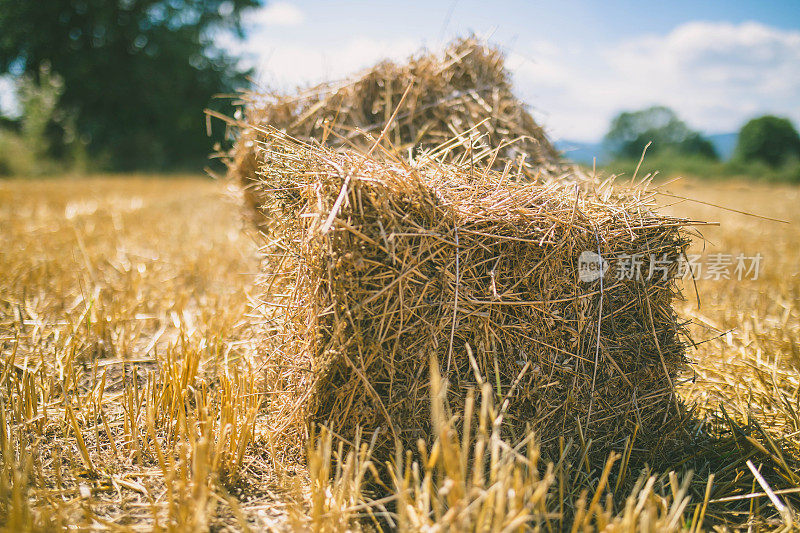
715 75
283 65
276 14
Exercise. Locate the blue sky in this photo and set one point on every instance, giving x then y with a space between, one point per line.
576 62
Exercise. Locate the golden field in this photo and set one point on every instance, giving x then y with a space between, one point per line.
131 394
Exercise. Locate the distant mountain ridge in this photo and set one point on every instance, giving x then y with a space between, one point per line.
586 152
582 152
724 143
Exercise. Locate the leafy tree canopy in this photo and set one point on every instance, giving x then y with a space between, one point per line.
769 139
631 131
136 74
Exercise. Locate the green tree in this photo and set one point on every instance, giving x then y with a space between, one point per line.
631 131
136 74
769 139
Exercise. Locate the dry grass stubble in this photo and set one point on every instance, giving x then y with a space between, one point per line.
127 402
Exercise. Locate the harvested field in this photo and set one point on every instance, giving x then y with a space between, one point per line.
153 276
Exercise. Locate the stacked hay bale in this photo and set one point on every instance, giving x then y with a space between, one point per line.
464 93
377 266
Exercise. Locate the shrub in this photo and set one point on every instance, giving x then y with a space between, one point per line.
16 156
768 139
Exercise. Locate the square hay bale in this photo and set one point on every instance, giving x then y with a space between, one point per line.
375 267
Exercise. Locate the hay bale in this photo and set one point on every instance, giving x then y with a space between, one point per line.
375 266
467 88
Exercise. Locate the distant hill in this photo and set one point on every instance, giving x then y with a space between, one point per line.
585 152
725 143
582 152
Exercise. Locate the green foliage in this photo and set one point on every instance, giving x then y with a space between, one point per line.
770 140
39 101
631 131
44 133
669 164
137 74
17 157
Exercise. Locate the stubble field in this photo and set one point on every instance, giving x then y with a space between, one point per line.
130 393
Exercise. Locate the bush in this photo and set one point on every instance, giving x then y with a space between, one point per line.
16 156
770 140
44 139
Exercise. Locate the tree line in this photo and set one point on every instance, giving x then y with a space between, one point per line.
658 131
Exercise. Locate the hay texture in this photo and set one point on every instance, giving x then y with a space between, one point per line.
374 267
465 93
